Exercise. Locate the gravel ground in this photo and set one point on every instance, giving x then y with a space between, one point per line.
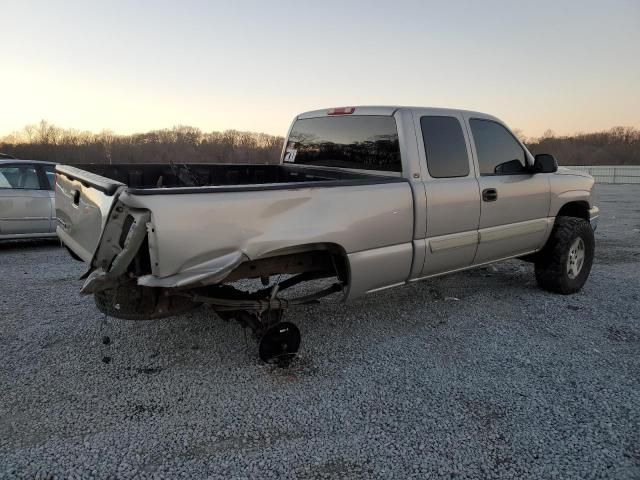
474 375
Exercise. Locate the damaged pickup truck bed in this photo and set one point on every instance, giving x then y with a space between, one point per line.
373 196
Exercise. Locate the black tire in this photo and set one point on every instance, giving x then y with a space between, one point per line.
280 343
132 302
555 265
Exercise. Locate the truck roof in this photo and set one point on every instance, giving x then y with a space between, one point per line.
388 110
15 161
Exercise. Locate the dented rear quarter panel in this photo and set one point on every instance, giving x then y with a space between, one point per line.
205 236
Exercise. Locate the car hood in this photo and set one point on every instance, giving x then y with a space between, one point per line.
569 171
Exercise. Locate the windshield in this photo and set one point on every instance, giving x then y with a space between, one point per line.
361 142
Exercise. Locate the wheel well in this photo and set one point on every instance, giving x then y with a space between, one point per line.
329 259
575 209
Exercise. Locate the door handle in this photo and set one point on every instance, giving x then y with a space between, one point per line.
489 195
75 196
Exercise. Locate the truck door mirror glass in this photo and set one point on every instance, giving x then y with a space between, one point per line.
509 168
545 163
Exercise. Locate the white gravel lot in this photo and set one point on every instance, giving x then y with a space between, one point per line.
474 375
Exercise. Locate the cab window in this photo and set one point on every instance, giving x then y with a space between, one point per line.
444 147
360 142
499 153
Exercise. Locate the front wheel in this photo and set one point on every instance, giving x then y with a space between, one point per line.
564 264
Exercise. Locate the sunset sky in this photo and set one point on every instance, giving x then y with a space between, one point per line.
252 65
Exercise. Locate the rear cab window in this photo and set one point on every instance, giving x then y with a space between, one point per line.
357 142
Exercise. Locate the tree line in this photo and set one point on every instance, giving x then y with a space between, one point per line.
184 144
180 144
617 146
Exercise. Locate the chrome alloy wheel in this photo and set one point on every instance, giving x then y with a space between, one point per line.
576 258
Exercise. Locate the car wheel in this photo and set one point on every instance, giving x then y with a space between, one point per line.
564 264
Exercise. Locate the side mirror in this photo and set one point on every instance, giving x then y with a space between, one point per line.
545 163
509 168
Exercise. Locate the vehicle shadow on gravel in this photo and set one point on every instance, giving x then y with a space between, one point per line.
351 328
26 246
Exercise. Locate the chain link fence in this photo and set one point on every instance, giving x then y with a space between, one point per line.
611 174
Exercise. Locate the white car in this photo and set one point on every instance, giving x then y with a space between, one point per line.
27 200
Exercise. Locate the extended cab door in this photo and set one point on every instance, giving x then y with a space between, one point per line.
514 202
453 198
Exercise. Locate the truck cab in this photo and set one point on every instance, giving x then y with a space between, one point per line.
479 195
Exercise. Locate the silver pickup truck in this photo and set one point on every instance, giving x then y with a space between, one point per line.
374 197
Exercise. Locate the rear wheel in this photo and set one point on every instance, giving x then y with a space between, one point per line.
280 343
564 264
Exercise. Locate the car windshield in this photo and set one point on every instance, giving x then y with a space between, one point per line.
360 142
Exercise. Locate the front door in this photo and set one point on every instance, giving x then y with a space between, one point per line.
514 202
25 208
453 199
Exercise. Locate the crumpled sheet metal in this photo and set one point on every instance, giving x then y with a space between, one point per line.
112 255
199 238
205 273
